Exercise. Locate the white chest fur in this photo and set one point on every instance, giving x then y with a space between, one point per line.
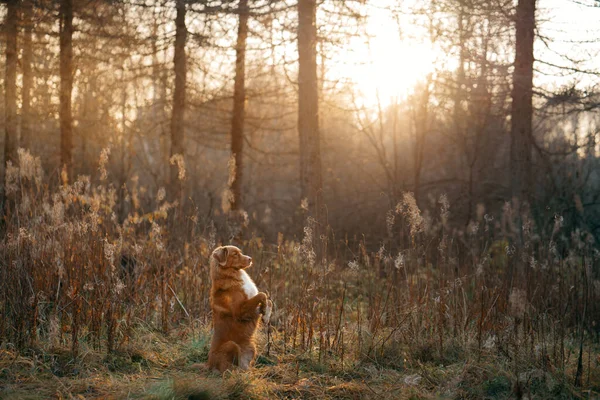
248 285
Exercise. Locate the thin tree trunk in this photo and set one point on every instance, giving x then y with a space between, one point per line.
178 113
308 107
239 97
27 75
124 151
66 86
10 99
421 128
459 95
87 110
396 185
480 109
522 107
158 101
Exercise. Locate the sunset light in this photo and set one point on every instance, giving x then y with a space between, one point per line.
388 61
300 199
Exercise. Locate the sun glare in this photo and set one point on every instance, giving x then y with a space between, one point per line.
386 67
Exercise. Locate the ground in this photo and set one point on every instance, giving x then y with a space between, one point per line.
155 366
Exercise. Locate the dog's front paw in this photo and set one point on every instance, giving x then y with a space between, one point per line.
266 315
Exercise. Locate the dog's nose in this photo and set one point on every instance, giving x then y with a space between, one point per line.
250 259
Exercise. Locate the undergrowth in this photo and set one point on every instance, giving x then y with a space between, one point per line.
105 292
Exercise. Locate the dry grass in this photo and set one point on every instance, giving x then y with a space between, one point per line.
159 367
102 298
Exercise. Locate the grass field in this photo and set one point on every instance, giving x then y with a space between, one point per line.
95 305
157 367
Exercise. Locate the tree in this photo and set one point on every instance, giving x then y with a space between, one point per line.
522 104
10 110
66 85
159 100
27 75
178 112
239 98
308 106
420 116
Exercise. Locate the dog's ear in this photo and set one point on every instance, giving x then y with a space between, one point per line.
220 254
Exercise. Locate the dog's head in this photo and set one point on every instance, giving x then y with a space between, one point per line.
231 257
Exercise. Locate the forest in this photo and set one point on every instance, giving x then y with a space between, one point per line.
416 181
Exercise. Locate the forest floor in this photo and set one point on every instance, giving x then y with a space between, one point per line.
154 366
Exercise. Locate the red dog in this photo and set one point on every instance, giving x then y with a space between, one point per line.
237 305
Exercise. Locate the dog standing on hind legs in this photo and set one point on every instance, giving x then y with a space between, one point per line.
237 307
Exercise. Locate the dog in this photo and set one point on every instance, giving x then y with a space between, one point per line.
237 306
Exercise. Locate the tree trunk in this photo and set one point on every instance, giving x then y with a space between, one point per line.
10 99
89 113
459 94
178 113
421 121
239 97
66 86
26 138
522 107
124 151
159 99
308 107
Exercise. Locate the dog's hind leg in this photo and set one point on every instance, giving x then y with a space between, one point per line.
247 356
228 355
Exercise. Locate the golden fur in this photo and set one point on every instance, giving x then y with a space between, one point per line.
235 313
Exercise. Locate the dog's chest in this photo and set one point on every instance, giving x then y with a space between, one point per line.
248 285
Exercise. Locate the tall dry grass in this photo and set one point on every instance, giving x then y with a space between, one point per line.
76 269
